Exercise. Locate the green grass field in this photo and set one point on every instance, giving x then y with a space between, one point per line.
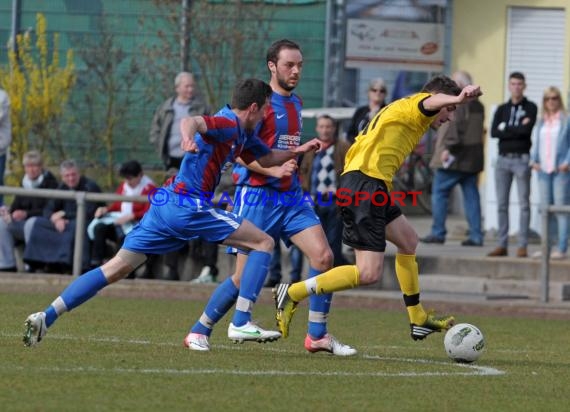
126 354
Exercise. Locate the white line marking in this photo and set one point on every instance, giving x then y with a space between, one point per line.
473 370
476 371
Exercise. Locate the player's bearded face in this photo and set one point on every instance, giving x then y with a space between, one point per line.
288 69
286 84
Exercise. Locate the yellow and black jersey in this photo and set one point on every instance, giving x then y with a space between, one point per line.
381 148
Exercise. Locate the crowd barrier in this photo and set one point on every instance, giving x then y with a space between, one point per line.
81 198
546 212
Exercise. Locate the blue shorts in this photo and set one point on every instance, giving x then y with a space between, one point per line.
166 228
279 214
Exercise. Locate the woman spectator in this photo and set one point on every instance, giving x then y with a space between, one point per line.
550 158
377 93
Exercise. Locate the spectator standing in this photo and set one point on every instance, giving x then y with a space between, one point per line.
377 93
512 125
5 135
115 221
53 234
320 174
550 158
458 159
165 129
166 136
17 222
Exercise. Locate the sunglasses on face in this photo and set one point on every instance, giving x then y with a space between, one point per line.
551 98
378 90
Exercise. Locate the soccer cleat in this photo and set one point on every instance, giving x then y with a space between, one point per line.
286 307
328 343
197 341
251 332
35 328
432 324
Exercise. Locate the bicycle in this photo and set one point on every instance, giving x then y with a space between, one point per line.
415 175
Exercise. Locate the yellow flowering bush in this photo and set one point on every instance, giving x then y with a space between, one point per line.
39 90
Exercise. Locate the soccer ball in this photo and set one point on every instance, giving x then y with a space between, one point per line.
464 343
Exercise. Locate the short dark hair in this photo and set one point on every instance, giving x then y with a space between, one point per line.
250 91
442 84
517 75
132 168
276 47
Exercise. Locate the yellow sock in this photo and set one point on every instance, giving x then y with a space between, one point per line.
408 278
339 278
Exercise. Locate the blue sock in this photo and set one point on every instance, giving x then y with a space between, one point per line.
252 279
80 290
319 307
219 304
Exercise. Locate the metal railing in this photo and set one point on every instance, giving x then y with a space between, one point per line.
81 198
545 248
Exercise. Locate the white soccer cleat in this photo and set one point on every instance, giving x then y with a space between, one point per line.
197 341
251 332
35 328
329 343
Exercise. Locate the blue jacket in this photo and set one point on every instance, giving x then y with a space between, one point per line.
563 142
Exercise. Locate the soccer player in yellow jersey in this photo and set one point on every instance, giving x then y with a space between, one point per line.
371 162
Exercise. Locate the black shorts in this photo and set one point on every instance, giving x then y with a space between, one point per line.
365 220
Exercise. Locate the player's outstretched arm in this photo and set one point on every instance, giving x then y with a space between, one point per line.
440 100
189 126
283 170
278 157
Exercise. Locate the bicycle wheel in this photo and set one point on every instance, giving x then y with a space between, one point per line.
422 183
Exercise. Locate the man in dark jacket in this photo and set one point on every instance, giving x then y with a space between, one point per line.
16 223
512 125
165 127
458 159
53 234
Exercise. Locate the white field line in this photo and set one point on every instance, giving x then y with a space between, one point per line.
474 371
466 369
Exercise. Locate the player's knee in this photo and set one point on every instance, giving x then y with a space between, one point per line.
323 260
117 268
236 279
266 244
408 244
412 242
368 275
